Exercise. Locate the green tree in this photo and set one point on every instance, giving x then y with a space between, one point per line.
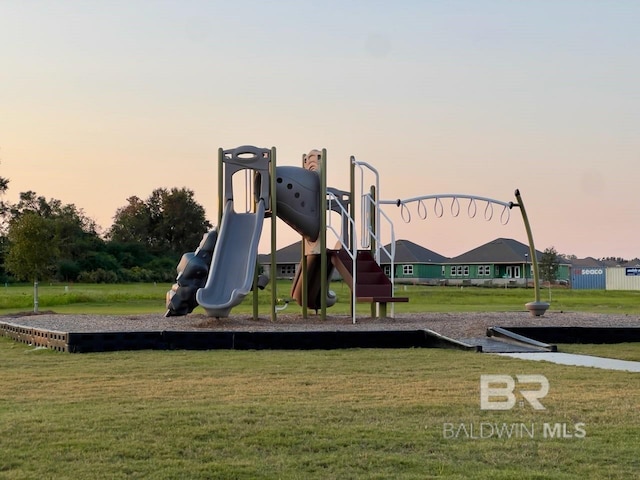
30 202
548 265
168 223
182 220
131 223
4 217
32 248
129 255
4 185
4 206
74 235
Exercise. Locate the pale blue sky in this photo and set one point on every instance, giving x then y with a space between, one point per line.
101 100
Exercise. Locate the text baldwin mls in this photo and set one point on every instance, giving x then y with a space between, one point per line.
488 430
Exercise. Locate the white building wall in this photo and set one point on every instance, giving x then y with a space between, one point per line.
623 278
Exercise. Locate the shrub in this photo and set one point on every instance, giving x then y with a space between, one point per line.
68 271
98 276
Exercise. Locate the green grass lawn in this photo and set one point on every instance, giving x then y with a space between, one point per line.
621 351
150 298
305 414
86 298
356 413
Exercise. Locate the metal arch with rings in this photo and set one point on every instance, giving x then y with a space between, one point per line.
454 207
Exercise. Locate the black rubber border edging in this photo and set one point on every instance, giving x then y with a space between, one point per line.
318 340
86 342
579 334
114 341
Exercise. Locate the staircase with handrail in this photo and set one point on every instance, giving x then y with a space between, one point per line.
372 285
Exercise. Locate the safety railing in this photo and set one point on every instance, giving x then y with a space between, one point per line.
365 238
369 203
370 222
352 249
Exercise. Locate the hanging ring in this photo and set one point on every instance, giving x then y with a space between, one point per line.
455 207
488 212
422 210
472 208
505 216
438 208
405 213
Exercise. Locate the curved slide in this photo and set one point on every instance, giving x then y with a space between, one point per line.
233 265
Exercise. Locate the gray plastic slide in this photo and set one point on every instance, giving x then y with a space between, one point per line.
234 261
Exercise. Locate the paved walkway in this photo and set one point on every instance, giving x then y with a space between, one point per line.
493 345
579 360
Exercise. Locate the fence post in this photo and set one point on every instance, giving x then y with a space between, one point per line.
35 296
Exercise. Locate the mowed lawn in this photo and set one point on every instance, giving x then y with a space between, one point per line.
150 298
358 413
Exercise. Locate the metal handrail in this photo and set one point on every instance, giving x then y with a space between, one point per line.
366 238
368 230
368 202
351 250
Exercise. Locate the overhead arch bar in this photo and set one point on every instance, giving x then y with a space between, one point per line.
454 207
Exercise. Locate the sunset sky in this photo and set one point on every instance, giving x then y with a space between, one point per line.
102 100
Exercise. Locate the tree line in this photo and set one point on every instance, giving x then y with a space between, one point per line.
43 239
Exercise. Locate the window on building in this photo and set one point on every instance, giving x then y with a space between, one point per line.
288 269
453 271
407 269
459 270
387 270
465 270
484 270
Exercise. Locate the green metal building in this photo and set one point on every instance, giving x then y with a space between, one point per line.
503 261
414 264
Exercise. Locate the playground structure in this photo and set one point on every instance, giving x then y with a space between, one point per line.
223 269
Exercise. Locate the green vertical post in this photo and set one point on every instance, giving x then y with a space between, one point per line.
305 281
255 291
273 273
303 270
372 192
323 236
257 267
352 210
220 185
536 308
